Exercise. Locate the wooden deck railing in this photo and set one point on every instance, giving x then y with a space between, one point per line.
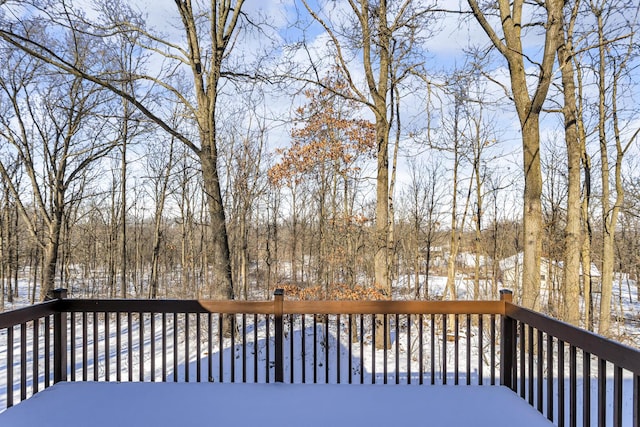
571 376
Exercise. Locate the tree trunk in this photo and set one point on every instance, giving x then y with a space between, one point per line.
528 108
572 233
381 257
587 280
123 203
223 283
532 215
51 256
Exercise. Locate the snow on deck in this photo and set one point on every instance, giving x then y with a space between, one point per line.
102 404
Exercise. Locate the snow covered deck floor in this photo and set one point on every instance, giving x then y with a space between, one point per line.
180 404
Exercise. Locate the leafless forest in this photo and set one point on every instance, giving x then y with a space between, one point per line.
356 149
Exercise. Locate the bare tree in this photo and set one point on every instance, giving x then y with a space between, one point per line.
325 153
160 164
554 201
573 231
455 137
9 234
612 69
384 36
54 134
423 198
208 36
507 37
245 136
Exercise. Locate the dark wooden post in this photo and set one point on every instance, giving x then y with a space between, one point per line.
278 299
507 344
59 340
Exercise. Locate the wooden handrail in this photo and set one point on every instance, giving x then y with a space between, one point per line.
166 306
288 307
612 351
26 314
393 307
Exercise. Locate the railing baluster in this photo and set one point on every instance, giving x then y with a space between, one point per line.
373 349
291 348
539 379
385 344
23 361
315 349
573 396
47 350
617 396
433 349
255 348
468 332
95 346
408 351
36 355
420 346
636 400
232 359
244 348
397 342
10 367
350 348
362 349
492 345
303 344
220 349
118 346
586 389
444 349
199 348
530 339
338 349
561 387
602 392
209 347
480 349
85 345
164 347
522 359
130 345
175 347
326 348
152 346
267 342
515 358
107 348
72 353
141 346
186 347
456 352
550 394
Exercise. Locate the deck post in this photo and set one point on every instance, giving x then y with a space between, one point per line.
59 340
278 299
507 344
